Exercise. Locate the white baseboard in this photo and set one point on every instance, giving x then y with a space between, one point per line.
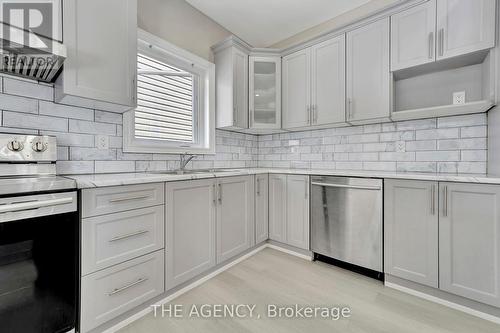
184 290
441 301
291 252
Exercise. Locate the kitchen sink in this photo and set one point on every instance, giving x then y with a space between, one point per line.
194 172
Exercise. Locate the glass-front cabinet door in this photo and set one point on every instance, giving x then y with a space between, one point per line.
265 92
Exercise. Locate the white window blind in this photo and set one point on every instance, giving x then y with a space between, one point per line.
165 102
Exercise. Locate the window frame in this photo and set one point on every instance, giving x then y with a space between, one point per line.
203 104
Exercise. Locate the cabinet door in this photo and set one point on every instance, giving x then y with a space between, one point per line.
297 89
328 82
469 241
265 92
101 41
240 88
277 208
413 36
297 216
190 239
464 26
235 216
261 208
368 78
411 230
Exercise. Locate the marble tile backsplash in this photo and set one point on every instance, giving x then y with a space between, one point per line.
451 144
448 145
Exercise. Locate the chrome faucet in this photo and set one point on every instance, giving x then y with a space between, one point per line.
185 159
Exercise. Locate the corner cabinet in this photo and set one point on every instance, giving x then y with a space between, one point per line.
265 92
261 208
368 77
469 241
289 210
101 65
411 230
231 77
314 86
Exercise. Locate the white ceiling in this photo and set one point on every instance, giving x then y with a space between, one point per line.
265 22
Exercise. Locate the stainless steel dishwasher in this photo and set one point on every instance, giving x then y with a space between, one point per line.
346 220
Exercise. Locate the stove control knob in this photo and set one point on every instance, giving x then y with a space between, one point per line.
39 146
15 145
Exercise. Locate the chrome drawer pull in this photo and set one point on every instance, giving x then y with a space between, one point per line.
129 198
137 233
357 187
119 290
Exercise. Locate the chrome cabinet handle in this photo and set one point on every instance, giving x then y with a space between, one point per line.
307 189
140 197
349 108
16 207
315 114
431 45
441 41
258 187
309 114
130 285
445 201
133 234
220 193
433 200
215 194
134 90
356 187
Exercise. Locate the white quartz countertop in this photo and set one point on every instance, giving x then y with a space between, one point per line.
103 180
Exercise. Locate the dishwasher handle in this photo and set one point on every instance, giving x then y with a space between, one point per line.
356 187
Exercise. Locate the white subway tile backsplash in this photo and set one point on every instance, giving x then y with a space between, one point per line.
462 121
65 111
437 156
114 166
92 154
108 117
18 104
89 127
25 120
28 89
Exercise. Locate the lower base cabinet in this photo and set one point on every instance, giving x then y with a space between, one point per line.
289 210
190 229
115 290
261 208
445 235
207 222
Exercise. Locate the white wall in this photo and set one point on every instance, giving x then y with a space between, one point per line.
181 24
335 23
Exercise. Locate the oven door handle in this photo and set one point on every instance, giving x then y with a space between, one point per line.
17 207
357 187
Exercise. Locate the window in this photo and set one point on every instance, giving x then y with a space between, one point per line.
175 101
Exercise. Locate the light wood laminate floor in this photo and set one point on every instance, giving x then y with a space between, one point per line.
272 277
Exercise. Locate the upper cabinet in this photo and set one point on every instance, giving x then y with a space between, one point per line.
297 89
413 36
101 40
231 75
265 92
314 85
464 26
368 77
441 29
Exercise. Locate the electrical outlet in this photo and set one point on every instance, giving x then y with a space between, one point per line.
459 98
400 146
102 142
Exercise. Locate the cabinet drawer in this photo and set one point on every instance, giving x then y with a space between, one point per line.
99 201
111 239
113 291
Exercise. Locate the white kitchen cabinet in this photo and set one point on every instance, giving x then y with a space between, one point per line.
277 208
469 241
261 208
413 36
231 76
297 218
411 230
101 40
190 229
464 26
265 92
328 82
289 210
235 216
368 77
297 89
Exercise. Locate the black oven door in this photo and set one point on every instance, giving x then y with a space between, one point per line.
39 259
